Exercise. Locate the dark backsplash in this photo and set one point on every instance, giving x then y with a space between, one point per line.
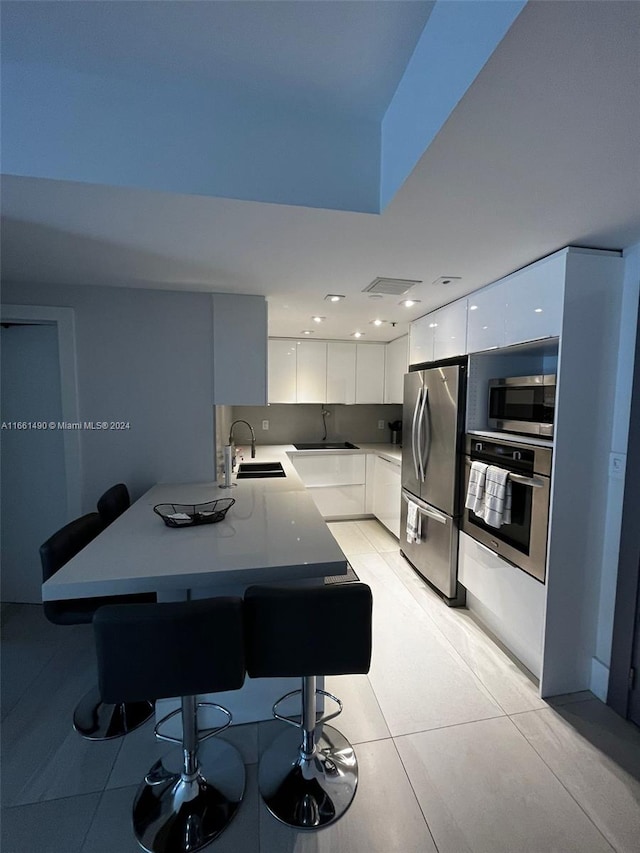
289 423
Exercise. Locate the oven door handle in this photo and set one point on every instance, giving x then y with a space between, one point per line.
533 482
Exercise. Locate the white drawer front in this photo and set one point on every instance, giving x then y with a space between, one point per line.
331 469
509 601
336 501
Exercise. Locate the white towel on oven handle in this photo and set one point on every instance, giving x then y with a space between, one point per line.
496 509
475 490
413 523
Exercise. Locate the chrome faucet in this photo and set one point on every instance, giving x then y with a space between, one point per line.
230 453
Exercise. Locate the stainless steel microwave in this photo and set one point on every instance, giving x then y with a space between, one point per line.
523 404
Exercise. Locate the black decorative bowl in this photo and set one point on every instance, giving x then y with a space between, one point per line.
188 515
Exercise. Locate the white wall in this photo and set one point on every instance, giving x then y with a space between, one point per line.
144 357
621 413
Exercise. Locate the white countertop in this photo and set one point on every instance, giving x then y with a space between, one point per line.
268 535
273 533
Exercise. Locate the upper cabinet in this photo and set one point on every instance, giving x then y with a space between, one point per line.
282 371
341 372
534 302
421 334
331 371
396 365
486 318
439 334
525 306
450 330
370 373
311 372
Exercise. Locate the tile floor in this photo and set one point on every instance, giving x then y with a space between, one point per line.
457 753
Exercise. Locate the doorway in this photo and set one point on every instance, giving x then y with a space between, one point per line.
34 492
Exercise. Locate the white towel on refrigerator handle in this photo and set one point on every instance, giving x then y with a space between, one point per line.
475 490
497 497
413 523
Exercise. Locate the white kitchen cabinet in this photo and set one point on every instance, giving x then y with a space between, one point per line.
534 300
341 372
507 600
449 330
486 318
370 373
339 501
386 494
336 481
421 335
525 306
395 366
330 469
282 371
311 372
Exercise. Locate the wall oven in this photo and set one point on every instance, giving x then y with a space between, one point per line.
523 404
523 541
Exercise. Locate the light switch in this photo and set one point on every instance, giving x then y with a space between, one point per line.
265 424
617 465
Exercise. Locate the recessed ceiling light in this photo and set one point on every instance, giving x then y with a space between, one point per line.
333 297
318 319
446 279
307 332
378 322
432 325
357 334
473 307
538 310
409 303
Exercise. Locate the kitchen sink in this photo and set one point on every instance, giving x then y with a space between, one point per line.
254 470
327 445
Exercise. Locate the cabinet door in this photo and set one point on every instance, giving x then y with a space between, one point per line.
534 303
341 372
386 494
312 372
450 331
282 371
421 340
330 469
370 373
396 365
486 318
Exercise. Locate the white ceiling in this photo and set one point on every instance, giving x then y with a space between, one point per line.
543 151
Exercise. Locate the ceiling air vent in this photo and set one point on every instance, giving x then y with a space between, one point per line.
391 286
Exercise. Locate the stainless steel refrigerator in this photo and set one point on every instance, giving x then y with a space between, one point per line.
432 452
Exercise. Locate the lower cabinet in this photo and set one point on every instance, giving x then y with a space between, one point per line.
336 482
507 600
386 494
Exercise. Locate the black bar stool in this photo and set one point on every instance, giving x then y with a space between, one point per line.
113 503
308 778
178 649
92 718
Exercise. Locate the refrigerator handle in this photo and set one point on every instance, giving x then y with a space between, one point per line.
423 510
414 435
425 446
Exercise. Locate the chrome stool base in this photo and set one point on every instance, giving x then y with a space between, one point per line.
309 793
176 813
97 720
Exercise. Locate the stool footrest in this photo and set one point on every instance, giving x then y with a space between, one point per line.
202 738
298 723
